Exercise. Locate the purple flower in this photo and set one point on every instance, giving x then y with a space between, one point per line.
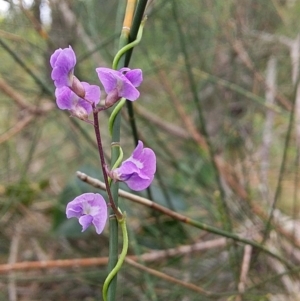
63 62
71 94
66 99
89 208
138 170
120 83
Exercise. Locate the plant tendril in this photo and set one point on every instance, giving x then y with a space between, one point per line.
115 270
128 46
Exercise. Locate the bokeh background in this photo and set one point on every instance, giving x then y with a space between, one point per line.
220 107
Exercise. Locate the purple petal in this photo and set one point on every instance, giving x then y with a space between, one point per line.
148 159
97 201
139 169
85 105
65 58
99 221
128 91
61 77
108 78
54 57
135 76
125 84
63 62
124 70
138 150
89 208
92 92
85 221
127 168
73 210
136 183
65 98
88 196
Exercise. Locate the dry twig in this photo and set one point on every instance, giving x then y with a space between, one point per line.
87 262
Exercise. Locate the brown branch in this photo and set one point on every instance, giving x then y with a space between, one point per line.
70 263
23 104
21 100
278 223
134 198
271 74
13 253
168 278
244 270
87 262
18 127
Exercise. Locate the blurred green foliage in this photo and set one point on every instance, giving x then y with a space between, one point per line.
228 45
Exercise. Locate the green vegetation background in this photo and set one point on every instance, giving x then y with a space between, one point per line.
209 67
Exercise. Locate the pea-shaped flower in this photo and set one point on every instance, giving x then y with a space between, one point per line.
66 99
63 62
138 170
71 94
122 83
89 208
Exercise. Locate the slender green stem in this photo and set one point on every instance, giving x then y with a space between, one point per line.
283 163
221 200
118 63
139 13
114 114
119 160
222 206
113 224
128 46
138 16
119 264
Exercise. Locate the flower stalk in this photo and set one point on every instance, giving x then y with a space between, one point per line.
114 208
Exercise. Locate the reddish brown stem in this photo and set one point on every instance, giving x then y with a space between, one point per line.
103 165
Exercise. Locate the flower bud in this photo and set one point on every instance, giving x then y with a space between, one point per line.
80 113
111 98
77 87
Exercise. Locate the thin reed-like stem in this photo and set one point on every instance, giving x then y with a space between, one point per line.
115 151
283 164
221 199
222 206
121 259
